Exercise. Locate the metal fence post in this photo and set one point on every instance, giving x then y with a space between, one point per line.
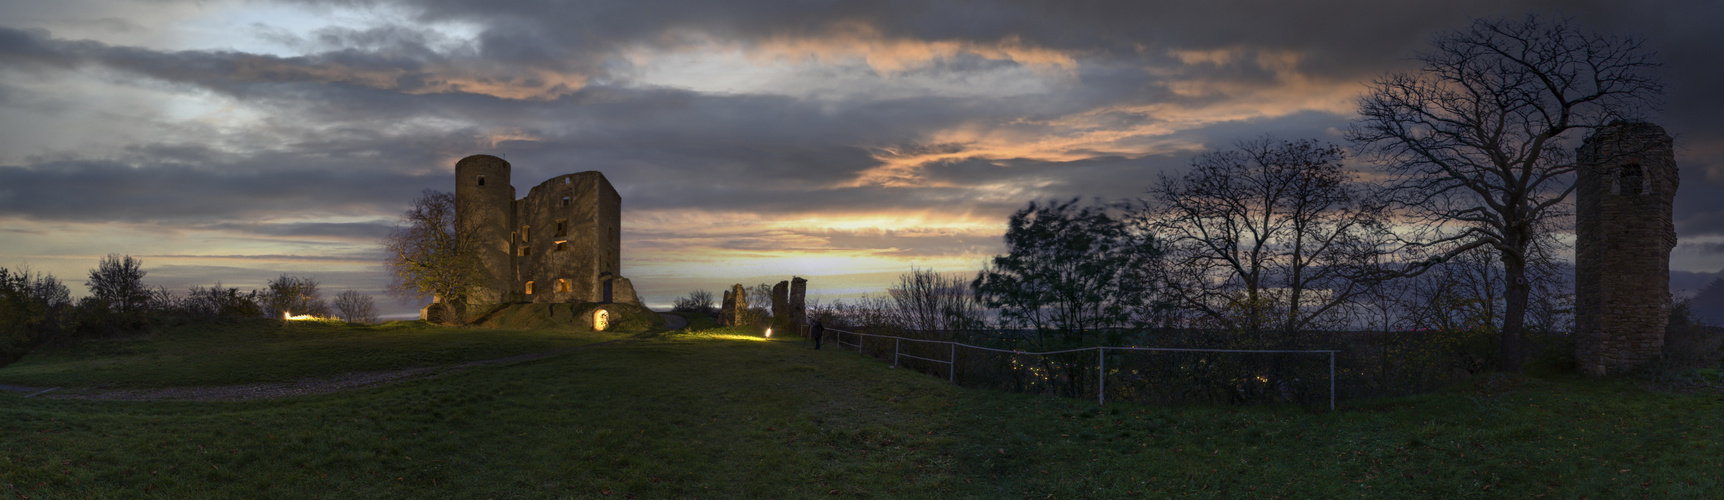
895 343
952 367
1331 380
1101 376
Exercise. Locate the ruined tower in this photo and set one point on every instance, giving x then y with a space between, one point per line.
560 243
484 211
1623 237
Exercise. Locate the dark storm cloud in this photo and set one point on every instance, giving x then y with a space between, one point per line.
363 231
337 113
94 191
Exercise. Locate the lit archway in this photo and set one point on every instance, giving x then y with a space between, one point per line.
601 320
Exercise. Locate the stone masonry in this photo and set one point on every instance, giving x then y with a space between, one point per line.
798 307
735 306
560 243
1623 237
781 308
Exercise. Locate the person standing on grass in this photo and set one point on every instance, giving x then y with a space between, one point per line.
816 330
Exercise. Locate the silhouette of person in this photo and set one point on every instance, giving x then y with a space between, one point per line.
816 330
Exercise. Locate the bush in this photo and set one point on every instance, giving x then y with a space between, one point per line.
697 301
1689 343
34 308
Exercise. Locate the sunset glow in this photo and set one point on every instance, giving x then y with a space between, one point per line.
236 141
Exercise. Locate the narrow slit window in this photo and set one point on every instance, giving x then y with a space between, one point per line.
481 180
524 234
565 201
563 286
562 246
563 227
529 288
1631 179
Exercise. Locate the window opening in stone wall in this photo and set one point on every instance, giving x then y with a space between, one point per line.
563 227
1630 179
565 201
481 180
563 285
529 288
524 234
562 245
523 250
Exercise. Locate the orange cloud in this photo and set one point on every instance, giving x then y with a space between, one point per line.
889 55
1148 129
505 83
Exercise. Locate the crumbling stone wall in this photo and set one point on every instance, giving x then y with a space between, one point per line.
781 308
798 308
1623 237
560 243
735 306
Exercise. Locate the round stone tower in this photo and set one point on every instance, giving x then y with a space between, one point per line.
1623 237
484 212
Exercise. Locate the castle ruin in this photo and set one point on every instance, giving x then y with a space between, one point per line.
560 243
1623 237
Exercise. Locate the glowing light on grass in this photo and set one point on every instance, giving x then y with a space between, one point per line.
290 317
768 332
731 336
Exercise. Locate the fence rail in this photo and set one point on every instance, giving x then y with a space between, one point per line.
1101 356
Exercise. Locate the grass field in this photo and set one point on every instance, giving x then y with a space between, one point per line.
725 414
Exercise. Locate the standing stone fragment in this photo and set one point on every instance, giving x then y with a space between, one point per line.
781 308
798 306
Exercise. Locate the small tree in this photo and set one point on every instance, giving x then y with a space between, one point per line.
427 257
119 282
294 295
1071 271
118 296
355 307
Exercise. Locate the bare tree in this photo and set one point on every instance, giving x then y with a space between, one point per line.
427 257
935 304
355 307
1478 139
1268 236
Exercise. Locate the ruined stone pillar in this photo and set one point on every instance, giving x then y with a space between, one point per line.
728 311
798 307
781 308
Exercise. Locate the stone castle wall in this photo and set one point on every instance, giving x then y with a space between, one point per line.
1623 237
560 243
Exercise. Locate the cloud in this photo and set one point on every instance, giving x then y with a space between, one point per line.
112 191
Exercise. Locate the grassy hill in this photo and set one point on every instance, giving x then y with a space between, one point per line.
726 414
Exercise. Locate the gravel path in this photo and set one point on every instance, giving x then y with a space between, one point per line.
302 387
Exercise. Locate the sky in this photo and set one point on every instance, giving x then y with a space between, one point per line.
846 142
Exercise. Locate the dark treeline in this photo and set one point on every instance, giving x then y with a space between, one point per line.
37 308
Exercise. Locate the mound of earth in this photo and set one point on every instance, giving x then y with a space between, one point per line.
628 318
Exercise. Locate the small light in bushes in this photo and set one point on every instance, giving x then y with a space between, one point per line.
768 332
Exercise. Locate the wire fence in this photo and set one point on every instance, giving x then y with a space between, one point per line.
1140 374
